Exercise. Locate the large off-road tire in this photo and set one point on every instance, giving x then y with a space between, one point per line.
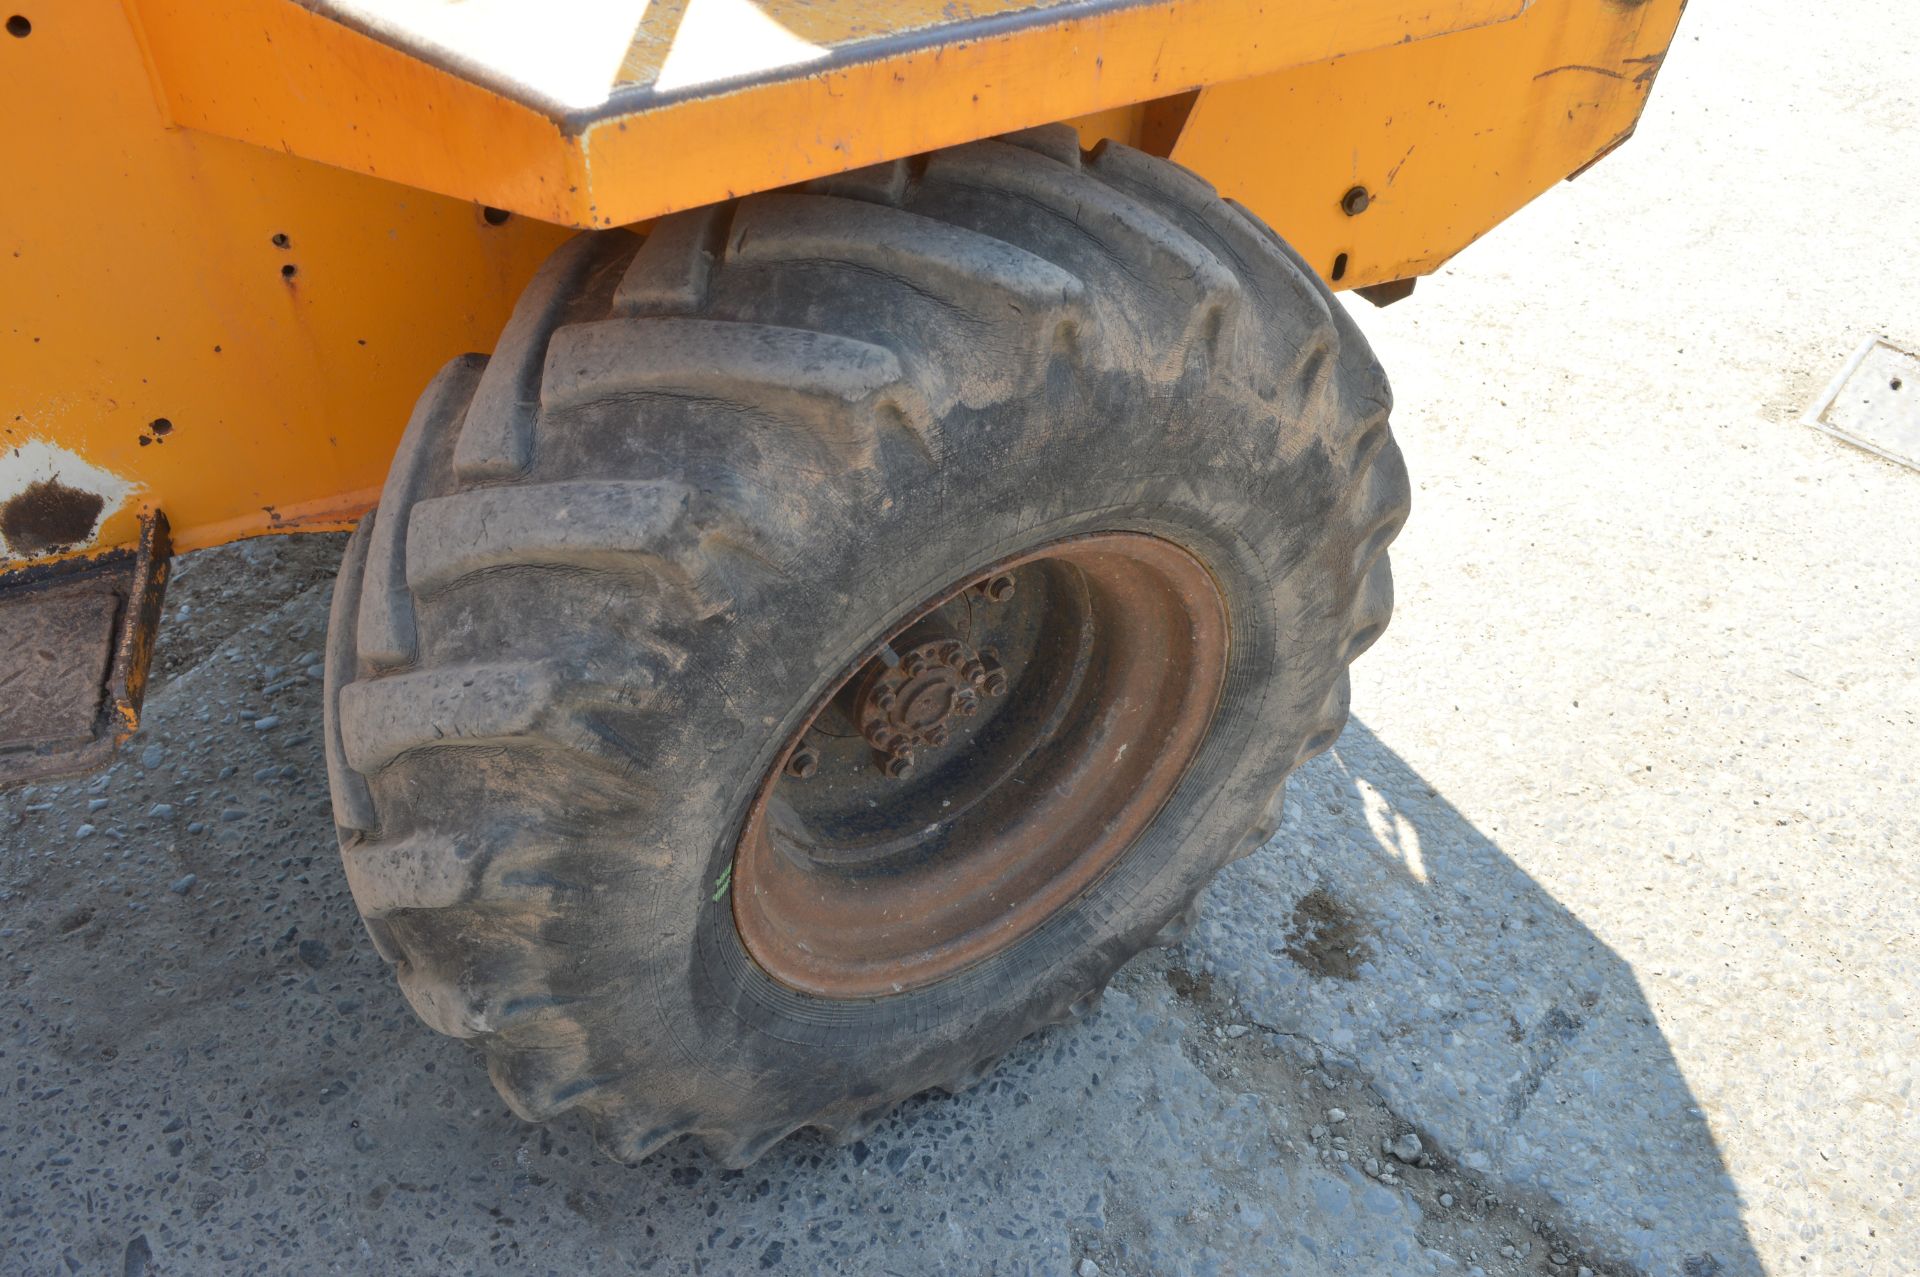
619 566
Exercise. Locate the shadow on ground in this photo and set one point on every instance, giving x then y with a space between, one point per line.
1482 1011
209 1070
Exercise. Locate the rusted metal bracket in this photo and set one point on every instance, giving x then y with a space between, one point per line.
1385 295
76 641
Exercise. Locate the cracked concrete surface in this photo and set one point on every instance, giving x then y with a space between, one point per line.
1606 895
214 1073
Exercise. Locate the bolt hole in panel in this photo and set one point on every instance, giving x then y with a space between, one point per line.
1875 403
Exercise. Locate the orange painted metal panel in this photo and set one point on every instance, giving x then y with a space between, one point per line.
283 77
270 72
143 285
162 347
1449 136
792 129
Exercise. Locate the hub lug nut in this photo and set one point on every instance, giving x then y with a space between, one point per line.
992 678
803 762
916 700
996 589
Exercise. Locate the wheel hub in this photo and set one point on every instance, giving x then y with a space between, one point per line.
980 768
909 701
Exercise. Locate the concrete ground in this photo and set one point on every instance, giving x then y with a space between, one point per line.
1607 895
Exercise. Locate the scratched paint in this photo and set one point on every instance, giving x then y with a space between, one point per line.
53 500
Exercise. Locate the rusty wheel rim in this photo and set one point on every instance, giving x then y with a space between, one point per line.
982 767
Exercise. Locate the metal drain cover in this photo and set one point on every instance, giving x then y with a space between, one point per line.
1875 403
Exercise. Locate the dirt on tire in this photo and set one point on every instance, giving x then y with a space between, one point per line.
615 563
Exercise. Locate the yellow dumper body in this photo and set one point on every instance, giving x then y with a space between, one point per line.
239 235
835 628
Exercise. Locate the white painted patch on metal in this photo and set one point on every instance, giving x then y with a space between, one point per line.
564 53
35 461
721 40
1875 403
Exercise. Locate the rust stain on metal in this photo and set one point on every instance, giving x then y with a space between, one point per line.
48 516
133 651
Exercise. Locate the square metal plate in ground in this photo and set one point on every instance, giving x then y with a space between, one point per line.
1875 403
76 642
58 645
